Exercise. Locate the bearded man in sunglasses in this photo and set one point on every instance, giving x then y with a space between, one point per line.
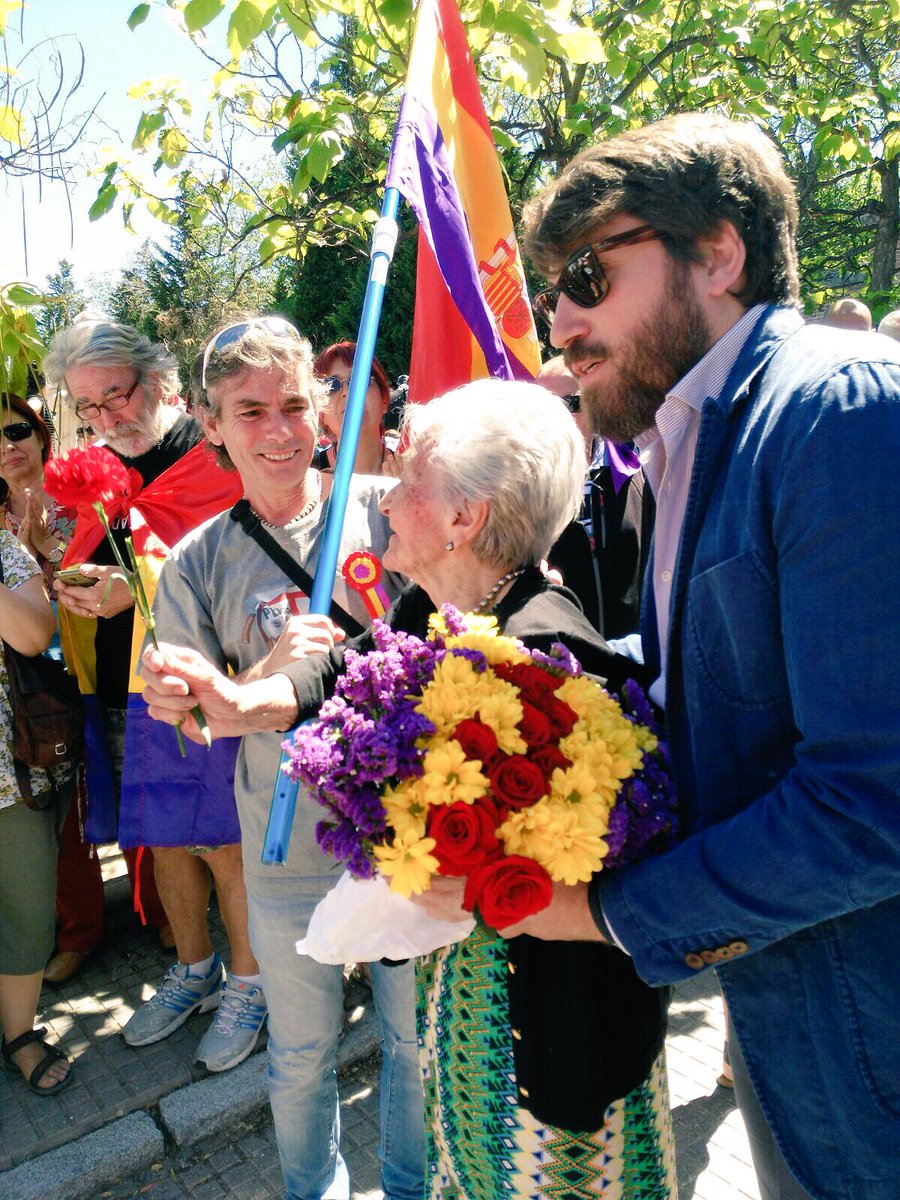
772 624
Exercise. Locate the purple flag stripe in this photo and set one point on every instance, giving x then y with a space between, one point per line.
420 170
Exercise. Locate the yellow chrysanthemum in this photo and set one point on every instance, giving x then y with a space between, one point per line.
494 649
567 842
501 709
408 863
406 807
584 784
449 776
453 693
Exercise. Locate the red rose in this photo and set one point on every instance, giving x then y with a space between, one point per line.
562 718
465 834
548 758
477 740
534 726
86 475
518 782
508 889
534 683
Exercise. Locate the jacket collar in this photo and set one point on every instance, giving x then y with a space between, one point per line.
775 326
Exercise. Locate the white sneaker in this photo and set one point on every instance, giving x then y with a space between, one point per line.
235 1031
178 996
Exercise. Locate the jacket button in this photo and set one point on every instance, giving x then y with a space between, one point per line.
709 956
694 961
738 947
516 1034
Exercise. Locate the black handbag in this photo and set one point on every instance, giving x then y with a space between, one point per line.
47 717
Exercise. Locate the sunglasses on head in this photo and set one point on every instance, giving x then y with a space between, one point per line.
583 278
17 431
233 333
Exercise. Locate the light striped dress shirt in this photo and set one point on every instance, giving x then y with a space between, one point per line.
667 456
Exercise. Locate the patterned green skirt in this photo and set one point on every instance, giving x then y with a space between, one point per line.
481 1144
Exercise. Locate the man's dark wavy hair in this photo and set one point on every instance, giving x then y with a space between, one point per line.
682 175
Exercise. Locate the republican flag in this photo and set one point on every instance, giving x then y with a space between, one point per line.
472 314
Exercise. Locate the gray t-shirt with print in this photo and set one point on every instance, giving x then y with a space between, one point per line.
221 594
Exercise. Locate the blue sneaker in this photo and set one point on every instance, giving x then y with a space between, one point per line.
179 996
236 1027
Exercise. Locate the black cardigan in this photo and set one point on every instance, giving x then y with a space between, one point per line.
586 1028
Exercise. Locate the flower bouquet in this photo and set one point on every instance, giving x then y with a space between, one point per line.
93 476
469 755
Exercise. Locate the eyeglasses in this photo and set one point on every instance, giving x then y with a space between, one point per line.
90 412
572 403
233 333
583 278
18 431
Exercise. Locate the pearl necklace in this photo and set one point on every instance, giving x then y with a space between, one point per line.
484 606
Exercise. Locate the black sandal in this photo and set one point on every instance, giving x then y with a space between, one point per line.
53 1055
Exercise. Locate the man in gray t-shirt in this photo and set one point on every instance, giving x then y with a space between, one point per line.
222 605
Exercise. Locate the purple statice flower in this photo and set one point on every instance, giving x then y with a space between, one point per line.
342 841
454 620
560 660
475 657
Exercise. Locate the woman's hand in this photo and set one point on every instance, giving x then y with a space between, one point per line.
109 596
34 531
444 899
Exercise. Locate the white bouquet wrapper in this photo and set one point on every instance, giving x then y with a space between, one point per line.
362 920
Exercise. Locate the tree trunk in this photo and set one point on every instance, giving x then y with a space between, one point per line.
887 234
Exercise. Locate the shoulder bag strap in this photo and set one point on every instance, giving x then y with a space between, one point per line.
252 526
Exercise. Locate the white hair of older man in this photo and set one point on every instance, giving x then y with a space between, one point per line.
514 444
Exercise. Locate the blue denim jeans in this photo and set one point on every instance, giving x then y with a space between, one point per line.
305 1002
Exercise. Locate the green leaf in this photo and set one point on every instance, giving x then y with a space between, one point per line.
247 22
173 146
516 27
199 13
11 125
22 295
106 198
146 129
892 143
582 46
138 16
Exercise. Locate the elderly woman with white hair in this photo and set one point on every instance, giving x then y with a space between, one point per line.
491 474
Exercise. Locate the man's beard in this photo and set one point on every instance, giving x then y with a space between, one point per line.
132 438
662 349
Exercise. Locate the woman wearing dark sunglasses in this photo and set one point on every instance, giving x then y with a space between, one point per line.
42 526
333 367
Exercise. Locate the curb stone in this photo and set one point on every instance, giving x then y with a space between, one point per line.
81 1169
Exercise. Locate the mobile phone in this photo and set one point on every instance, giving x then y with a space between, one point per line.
75 577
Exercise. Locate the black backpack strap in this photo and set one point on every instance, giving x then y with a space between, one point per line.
252 526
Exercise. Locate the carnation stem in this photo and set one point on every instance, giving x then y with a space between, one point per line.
135 582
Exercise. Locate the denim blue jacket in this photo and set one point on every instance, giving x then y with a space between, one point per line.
783 703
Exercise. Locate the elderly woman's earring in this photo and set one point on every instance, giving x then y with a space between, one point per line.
449 546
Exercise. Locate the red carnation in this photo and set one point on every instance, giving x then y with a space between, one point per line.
465 834
86 475
562 718
517 782
507 890
548 758
534 726
477 740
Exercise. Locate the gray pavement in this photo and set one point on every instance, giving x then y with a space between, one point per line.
144 1122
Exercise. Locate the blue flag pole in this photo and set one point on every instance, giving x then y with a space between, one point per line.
384 239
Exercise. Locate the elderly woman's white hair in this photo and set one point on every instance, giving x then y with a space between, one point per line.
514 444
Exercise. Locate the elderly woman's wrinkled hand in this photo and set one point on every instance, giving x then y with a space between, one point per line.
109 596
444 899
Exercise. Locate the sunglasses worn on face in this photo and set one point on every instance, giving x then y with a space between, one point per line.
572 403
334 383
233 333
583 278
18 431
90 412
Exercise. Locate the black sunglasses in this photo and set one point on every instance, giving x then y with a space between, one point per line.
572 403
18 431
334 383
583 278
